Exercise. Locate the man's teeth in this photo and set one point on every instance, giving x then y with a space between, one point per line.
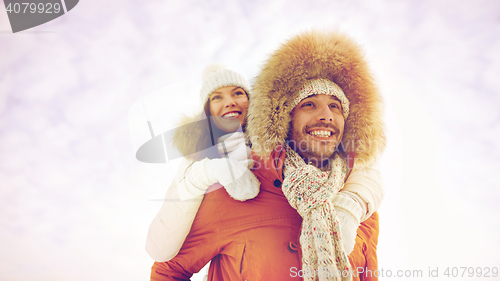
323 134
232 114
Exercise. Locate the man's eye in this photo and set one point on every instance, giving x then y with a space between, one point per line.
335 105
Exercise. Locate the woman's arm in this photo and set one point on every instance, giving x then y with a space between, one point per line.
169 228
201 245
366 186
357 201
171 225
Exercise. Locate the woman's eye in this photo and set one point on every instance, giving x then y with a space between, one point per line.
238 93
215 98
334 105
307 104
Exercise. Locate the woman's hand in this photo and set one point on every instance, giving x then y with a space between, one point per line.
235 176
234 146
348 213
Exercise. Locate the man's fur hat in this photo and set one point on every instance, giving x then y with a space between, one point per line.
315 54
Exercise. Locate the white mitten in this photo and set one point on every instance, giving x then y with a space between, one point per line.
233 146
236 177
349 213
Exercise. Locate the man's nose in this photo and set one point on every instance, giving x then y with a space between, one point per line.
324 113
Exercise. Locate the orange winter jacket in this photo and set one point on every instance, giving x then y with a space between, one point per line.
256 239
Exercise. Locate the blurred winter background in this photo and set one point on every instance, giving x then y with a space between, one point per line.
75 204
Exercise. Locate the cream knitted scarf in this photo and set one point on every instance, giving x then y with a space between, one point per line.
310 190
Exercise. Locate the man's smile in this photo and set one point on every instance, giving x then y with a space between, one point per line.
321 133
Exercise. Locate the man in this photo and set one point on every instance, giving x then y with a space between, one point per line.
289 104
313 106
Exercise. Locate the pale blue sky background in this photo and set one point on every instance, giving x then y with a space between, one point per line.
75 204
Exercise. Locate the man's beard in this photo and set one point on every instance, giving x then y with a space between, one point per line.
310 149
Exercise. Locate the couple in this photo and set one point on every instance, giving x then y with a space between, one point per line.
314 108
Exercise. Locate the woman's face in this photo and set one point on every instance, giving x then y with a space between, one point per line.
228 108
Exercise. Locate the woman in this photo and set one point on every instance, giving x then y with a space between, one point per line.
215 152
225 97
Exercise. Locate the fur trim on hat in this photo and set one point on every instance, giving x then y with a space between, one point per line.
315 54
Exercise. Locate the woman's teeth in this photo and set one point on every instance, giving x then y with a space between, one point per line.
323 134
231 114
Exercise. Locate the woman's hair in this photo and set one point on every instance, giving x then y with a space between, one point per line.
214 132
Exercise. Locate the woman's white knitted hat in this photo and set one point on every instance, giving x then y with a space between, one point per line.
216 76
